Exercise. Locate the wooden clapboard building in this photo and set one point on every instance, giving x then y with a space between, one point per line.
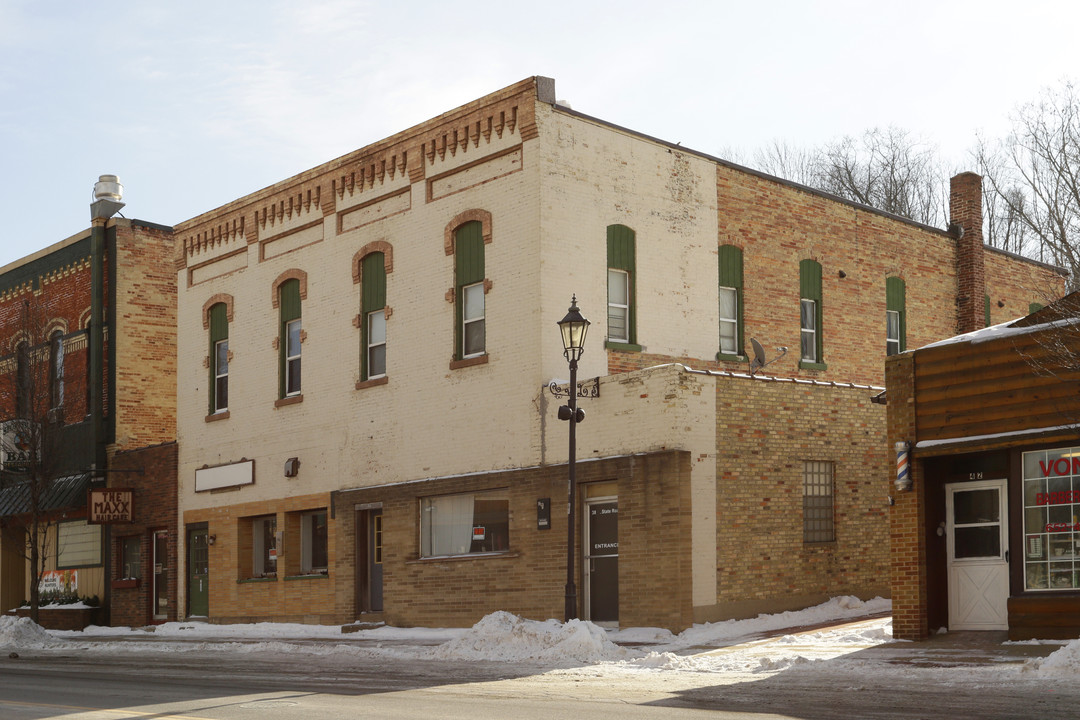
987 538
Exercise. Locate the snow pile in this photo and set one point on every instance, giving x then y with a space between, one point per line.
506 637
1060 663
838 608
24 633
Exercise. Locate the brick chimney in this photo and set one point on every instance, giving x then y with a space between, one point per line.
965 224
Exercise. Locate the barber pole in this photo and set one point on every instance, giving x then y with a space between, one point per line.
903 479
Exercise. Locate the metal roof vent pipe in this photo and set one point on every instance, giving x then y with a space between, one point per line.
107 194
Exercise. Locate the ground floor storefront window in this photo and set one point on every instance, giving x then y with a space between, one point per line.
465 524
1051 515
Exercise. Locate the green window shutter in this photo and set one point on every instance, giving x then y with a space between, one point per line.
373 297
810 289
731 275
986 310
219 330
896 299
289 305
468 269
621 256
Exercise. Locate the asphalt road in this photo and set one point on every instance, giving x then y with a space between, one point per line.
82 685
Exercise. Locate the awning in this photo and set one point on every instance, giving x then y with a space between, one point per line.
64 492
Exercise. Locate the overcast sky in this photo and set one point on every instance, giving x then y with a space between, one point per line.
194 104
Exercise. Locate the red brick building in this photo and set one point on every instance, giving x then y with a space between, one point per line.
87 346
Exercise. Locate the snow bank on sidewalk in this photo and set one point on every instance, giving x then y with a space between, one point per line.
506 637
23 633
1060 663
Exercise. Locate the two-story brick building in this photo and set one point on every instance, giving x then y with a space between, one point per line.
366 352
96 314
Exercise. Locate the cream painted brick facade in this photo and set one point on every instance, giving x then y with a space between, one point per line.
552 181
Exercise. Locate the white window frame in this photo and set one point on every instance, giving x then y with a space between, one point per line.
619 307
730 322
448 525
892 332
808 334
307 542
219 346
374 345
293 357
469 295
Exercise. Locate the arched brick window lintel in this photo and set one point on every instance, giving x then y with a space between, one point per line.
214 300
481 216
377 246
291 274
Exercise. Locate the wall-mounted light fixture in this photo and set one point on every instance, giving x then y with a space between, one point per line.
211 539
292 467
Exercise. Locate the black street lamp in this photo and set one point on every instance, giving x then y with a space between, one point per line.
573 328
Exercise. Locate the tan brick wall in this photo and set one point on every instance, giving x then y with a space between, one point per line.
907 519
765 431
654 552
233 597
145 336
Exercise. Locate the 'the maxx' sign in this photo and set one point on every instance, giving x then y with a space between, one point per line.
109 505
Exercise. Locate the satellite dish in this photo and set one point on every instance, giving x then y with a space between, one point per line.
759 360
759 356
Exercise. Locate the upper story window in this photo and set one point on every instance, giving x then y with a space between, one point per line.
622 313
470 290
730 295
219 358
373 316
290 338
895 316
23 380
56 369
810 315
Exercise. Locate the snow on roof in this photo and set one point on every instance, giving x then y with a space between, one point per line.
1002 330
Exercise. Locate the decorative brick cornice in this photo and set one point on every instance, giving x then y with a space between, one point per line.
482 216
214 300
290 274
377 246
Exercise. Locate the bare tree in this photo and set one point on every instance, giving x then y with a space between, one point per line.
32 421
1035 176
788 161
890 170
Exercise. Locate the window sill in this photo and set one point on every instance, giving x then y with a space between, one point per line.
469 362
310 576
725 357
624 347
291 400
459 558
807 365
218 416
256 580
372 383
125 583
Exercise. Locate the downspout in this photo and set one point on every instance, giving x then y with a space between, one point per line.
107 194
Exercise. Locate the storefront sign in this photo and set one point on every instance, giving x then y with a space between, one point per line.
543 514
59 581
109 505
1062 497
1060 467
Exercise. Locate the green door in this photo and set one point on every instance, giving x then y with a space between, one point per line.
198 571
